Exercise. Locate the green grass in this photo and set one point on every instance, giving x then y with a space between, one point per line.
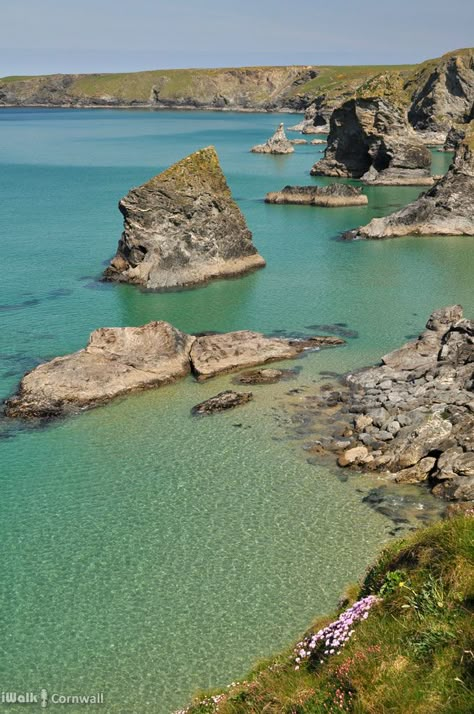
413 655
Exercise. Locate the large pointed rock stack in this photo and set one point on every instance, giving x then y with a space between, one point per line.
183 228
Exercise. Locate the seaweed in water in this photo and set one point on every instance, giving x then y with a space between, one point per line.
339 329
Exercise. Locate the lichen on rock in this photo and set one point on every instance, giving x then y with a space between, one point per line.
182 228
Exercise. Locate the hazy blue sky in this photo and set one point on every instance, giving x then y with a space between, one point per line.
41 36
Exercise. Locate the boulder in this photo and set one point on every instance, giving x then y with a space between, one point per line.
334 195
445 209
183 228
276 144
353 456
221 402
370 138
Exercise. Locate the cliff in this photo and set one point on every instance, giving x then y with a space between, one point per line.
370 138
445 209
183 228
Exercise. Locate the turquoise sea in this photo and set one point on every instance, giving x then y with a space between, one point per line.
146 553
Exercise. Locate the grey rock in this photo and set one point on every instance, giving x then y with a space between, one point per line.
183 228
372 139
445 209
222 402
276 144
333 195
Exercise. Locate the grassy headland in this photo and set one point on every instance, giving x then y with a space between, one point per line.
413 654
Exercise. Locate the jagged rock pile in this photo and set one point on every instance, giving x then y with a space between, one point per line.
183 228
276 144
413 416
371 139
333 195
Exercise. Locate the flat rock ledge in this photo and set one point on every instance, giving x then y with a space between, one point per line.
335 195
446 209
276 144
183 228
222 402
412 417
118 361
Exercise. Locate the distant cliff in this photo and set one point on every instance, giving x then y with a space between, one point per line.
241 89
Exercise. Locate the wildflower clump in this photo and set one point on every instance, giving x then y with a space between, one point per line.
331 639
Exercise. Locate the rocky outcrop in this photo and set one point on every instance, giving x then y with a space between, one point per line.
222 353
183 228
372 140
276 144
222 402
446 209
121 360
412 417
454 138
328 196
443 92
116 361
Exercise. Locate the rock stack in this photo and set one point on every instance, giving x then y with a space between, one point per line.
276 144
183 228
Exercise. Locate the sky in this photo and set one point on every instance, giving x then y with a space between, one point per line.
64 36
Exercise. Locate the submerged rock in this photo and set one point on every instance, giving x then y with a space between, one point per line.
217 354
333 195
276 144
265 376
446 209
121 360
222 401
372 140
183 228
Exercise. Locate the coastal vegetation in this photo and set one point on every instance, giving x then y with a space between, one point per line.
411 647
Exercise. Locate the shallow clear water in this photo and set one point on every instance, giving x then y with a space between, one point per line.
146 553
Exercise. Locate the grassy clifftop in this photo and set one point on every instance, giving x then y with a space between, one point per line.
241 88
411 651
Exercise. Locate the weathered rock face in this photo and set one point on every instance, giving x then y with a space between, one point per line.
454 138
276 144
183 228
371 139
236 89
116 361
445 209
333 195
222 402
413 416
217 354
445 94
120 360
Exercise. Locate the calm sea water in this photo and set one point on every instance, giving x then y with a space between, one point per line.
146 553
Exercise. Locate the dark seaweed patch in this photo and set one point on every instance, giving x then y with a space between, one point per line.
338 328
19 305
